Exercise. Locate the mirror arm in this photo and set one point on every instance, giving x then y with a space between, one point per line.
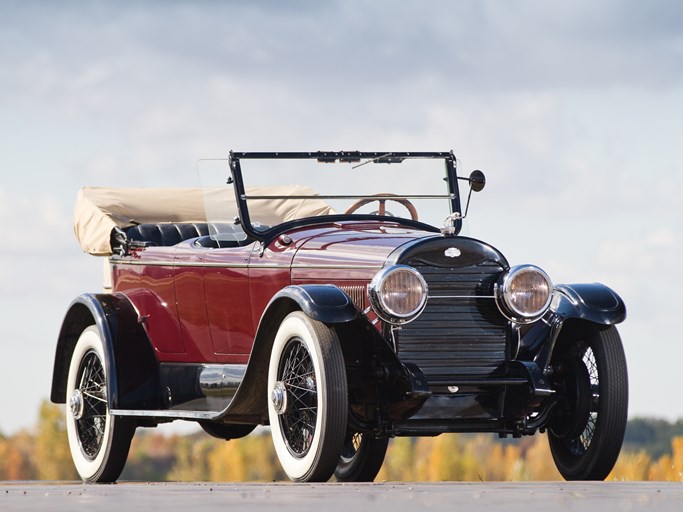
467 205
477 181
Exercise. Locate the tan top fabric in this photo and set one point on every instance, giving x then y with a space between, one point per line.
99 209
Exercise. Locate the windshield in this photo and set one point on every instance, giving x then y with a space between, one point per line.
279 188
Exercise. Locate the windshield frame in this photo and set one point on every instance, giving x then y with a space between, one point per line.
332 157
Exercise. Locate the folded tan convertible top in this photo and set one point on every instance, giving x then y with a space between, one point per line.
100 209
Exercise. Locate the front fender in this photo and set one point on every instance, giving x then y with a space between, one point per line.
323 302
595 303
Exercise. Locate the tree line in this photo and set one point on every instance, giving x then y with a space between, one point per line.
42 453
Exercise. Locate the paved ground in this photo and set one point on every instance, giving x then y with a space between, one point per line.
394 497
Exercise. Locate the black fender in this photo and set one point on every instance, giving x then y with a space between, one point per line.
130 363
594 303
325 303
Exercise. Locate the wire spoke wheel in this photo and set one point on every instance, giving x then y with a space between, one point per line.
351 447
298 377
588 425
580 444
99 442
307 398
91 424
361 458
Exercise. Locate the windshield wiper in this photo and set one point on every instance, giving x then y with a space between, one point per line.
388 158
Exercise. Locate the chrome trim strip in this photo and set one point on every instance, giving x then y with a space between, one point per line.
379 196
138 262
153 263
322 266
198 415
210 264
461 297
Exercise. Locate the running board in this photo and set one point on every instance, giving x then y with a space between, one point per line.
193 391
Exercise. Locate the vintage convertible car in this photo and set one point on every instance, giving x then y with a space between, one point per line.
257 302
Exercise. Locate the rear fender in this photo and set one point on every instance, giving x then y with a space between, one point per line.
130 363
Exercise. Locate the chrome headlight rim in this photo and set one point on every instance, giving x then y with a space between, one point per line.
384 311
504 294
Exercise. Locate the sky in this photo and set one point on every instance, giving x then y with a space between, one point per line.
572 109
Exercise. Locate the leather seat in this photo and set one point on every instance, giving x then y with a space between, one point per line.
166 234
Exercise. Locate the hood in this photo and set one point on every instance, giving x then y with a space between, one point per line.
354 244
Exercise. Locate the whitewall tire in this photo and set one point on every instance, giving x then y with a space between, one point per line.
307 398
99 442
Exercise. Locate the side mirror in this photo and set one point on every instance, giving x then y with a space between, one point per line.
477 181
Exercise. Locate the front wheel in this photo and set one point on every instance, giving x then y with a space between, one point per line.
361 458
587 429
307 398
99 442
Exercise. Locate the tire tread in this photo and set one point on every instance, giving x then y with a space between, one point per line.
599 459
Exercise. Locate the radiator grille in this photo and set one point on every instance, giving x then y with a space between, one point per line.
457 337
357 294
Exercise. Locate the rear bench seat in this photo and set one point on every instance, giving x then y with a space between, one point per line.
167 234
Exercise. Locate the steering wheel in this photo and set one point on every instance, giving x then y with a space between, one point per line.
382 199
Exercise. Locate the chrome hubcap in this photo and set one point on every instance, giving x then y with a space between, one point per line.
76 404
279 397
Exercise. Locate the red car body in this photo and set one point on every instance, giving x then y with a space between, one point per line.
181 292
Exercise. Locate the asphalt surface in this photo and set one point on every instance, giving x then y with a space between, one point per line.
394 497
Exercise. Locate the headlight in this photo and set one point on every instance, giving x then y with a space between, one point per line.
524 293
398 294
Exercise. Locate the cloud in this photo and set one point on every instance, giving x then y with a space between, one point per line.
645 253
323 48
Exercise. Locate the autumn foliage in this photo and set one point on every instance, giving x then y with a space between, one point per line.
43 454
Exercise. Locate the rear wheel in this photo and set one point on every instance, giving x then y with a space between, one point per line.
361 458
587 429
307 398
99 442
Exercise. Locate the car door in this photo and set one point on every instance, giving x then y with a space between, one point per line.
228 302
188 278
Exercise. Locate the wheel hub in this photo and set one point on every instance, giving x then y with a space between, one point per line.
278 397
578 401
76 404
